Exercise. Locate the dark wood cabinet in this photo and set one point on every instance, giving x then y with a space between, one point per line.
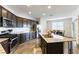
34 26
9 15
0 11
51 48
31 23
43 46
19 22
0 15
14 20
4 12
6 46
22 38
25 23
27 36
30 36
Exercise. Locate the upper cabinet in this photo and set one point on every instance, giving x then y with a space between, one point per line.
9 15
25 23
34 26
14 18
19 22
4 12
0 11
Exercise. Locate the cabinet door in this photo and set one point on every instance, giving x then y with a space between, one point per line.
14 20
9 15
0 11
31 25
25 24
34 35
19 22
34 27
22 38
4 12
27 36
30 34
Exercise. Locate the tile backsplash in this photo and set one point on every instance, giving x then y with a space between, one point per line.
16 30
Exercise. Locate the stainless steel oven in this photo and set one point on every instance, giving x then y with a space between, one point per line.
13 41
4 22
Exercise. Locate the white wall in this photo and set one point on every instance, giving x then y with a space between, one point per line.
46 25
68 27
77 25
77 30
76 16
43 25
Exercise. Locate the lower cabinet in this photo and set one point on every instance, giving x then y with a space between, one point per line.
34 35
30 36
21 38
51 48
43 46
6 46
27 36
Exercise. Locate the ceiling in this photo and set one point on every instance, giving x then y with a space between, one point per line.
37 10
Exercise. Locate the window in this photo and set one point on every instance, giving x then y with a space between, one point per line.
58 25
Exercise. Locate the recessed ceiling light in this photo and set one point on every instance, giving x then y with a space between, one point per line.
44 14
30 12
49 7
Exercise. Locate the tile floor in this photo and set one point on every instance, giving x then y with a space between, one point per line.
29 47
32 47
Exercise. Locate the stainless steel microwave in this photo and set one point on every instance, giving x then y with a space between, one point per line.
4 22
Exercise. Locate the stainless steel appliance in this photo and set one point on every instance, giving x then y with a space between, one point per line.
4 22
13 40
13 44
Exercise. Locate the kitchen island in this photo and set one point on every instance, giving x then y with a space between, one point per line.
55 44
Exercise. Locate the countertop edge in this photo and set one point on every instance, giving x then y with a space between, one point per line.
65 39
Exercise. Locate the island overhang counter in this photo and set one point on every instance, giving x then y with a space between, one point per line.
55 44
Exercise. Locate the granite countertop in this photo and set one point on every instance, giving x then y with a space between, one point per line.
3 39
21 32
57 38
2 51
